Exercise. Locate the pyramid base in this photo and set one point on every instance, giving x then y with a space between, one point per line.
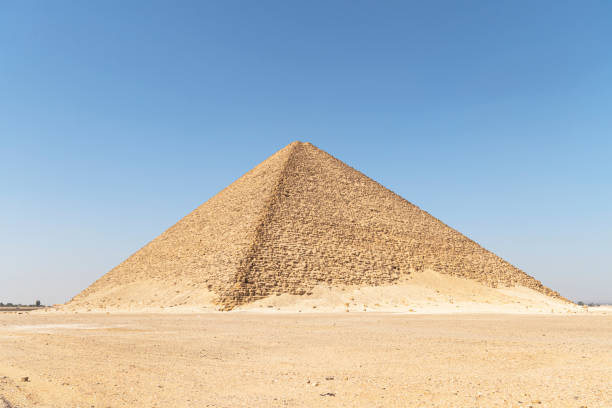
421 292
425 292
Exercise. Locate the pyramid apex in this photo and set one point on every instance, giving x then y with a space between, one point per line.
299 143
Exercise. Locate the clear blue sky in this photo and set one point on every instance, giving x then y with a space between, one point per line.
117 118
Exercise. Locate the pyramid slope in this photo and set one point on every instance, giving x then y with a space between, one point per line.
300 219
203 250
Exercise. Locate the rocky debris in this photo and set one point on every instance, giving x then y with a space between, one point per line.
299 219
328 394
25 379
4 403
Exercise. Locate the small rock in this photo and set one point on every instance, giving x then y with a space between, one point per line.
25 379
329 378
328 394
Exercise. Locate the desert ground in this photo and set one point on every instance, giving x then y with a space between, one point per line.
284 359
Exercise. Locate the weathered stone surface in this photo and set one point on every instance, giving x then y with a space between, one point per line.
303 218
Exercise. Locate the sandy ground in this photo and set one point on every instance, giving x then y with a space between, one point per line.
247 359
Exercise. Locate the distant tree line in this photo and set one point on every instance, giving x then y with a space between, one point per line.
581 303
9 304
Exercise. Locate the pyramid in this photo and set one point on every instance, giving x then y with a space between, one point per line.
299 219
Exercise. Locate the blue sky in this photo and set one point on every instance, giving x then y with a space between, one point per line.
118 118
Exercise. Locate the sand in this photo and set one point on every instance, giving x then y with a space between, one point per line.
419 292
355 359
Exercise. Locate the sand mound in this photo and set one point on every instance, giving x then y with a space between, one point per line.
298 222
420 292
